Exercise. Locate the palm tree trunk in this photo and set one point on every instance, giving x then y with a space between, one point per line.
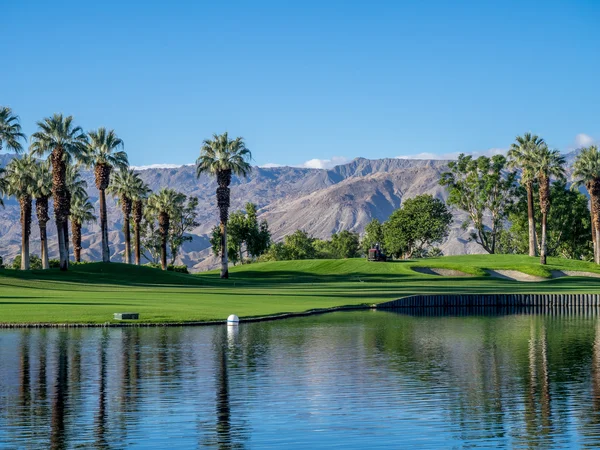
76 230
594 191
163 224
41 208
61 245
25 203
127 233
59 193
531 217
136 234
104 227
224 259
66 231
544 244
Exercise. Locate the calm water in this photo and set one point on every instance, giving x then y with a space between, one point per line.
348 380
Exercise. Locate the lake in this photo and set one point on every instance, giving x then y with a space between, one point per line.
361 379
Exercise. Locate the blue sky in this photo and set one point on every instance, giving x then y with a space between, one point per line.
308 80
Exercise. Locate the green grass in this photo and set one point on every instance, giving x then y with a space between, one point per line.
91 293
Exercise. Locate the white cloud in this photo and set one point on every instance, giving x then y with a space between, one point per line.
324 163
160 166
584 140
454 155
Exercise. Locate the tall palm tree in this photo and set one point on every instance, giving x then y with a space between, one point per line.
586 172
10 130
546 163
3 186
82 211
125 186
20 184
58 136
104 155
76 187
222 157
42 190
139 199
161 204
520 156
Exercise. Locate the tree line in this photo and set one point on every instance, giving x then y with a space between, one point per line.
529 184
160 219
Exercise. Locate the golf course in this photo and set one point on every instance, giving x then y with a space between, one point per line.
91 293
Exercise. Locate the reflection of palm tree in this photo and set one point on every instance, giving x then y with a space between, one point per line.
222 400
25 384
61 390
100 425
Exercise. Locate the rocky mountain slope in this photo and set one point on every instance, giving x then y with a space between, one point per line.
317 200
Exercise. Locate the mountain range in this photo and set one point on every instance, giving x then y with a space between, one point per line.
319 201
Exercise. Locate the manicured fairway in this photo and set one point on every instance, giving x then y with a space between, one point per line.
92 293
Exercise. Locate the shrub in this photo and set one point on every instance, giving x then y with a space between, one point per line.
54 263
172 268
35 263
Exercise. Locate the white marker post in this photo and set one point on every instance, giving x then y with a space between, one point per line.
233 320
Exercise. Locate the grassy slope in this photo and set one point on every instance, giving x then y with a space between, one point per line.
93 292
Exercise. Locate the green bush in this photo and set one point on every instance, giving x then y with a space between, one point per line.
35 262
181 269
54 263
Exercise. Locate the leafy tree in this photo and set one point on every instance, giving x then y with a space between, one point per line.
373 235
546 163
126 186
183 220
586 172
20 184
243 232
521 155
418 224
65 142
10 130
82 211
569 224
345 244
42 190
299 245
150 237
161 204
222 157
483 189
104 155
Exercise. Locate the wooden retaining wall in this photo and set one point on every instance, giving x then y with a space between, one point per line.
497 300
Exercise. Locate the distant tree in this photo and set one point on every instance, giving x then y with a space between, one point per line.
161 205
546 164
76 187
345 244
521 156
586 172
222 157
482 188
104 155
300 245
421 222
20 184
140 195
10 130
373 235
42 190
65 142
82 212
125 187
183 220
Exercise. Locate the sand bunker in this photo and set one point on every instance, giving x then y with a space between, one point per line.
573 273
515 275
442 272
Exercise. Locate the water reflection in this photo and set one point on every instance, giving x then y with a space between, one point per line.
360 379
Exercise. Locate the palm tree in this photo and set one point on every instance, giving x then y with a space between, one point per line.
104 156
10 130
20 184
58 136
161 204
139 198
126 186
82 211
42 190
521 156
586 171
76 187
222 157
546 163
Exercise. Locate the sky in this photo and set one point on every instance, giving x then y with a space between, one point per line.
313 83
